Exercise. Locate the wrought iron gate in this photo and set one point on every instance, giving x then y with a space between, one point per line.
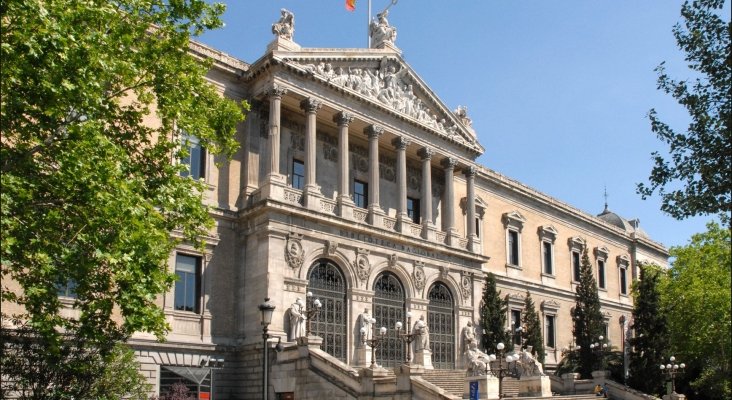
328 284
440 321
389 307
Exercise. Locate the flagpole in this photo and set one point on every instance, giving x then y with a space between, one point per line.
368 27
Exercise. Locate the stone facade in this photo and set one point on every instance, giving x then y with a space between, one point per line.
353 117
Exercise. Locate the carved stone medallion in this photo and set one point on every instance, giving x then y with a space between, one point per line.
418 275
466 286
294 253
362 264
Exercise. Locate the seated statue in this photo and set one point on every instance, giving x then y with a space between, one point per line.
479 363
381 31
285 27
528 365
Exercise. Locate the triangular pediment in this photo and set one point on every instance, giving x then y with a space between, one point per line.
385 80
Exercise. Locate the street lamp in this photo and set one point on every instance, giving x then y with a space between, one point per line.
671 370
599 347
407 337
374 342
266 309
503 370
310 313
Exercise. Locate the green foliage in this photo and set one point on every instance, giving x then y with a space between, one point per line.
531 335
587 317
89 192
493 311
699 158
697 298
612 360
34 367
650 343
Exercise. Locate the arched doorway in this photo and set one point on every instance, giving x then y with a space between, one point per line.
328 284
389 307
441 324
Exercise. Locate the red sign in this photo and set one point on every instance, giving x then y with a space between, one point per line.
204 396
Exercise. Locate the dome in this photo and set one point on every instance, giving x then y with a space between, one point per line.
622 223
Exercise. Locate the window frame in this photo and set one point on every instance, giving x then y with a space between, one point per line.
576 259
513 223
364 197
298 180
67 289
191 142
197 276
623 264
550 340
414 210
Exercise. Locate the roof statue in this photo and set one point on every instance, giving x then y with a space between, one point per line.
381 32
285 27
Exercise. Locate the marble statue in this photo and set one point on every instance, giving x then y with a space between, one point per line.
479 363
468 337
380 30
297 320
365 323
285 27
527 365
421 329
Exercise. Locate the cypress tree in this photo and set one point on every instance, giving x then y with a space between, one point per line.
493 311
588 321
651 341
532 329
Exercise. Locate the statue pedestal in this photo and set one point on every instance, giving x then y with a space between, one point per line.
424 358
488 386
363 356
535 386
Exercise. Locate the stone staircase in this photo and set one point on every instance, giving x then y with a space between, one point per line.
453 382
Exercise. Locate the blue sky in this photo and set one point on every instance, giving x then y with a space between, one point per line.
558 90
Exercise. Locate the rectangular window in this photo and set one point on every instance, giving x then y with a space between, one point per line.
195 159
360 193
413 210
601 274
513 247
298 174
66 288
576 266
188 285
623 281
548 259
477 226
515 324
550 331
170 375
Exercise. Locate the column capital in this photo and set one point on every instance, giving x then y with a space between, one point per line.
373 131
343 118
470 171
426 153
401 142
311 105
275 92
449 162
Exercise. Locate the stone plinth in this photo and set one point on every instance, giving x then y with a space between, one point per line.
568 381
363 356
404 372
535 386
488 387
423 358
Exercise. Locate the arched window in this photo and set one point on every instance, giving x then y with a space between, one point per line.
327 283
389 307
440 321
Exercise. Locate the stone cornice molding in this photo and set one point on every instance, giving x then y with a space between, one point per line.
513 219
601 252
548 232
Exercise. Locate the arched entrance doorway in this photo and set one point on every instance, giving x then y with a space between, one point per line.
441 324
328 284
389 307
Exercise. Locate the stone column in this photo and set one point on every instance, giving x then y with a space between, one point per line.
311 192
470 223
345 203
449 215
427 224
400 144
275 98
375 211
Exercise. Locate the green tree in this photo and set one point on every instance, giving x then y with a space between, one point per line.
89 195
587 317
699 158
697 297
650 342
493 311
531 334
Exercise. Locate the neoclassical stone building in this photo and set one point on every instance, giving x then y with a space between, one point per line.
356 183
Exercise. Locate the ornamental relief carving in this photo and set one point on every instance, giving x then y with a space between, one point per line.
466 286
390 85
419 276
362 265
294 253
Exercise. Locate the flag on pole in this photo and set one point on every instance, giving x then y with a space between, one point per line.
351 5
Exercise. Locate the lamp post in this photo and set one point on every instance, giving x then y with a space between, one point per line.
599 348
671 370
503 370
622 338
310 312
374 342
406 337
266 309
